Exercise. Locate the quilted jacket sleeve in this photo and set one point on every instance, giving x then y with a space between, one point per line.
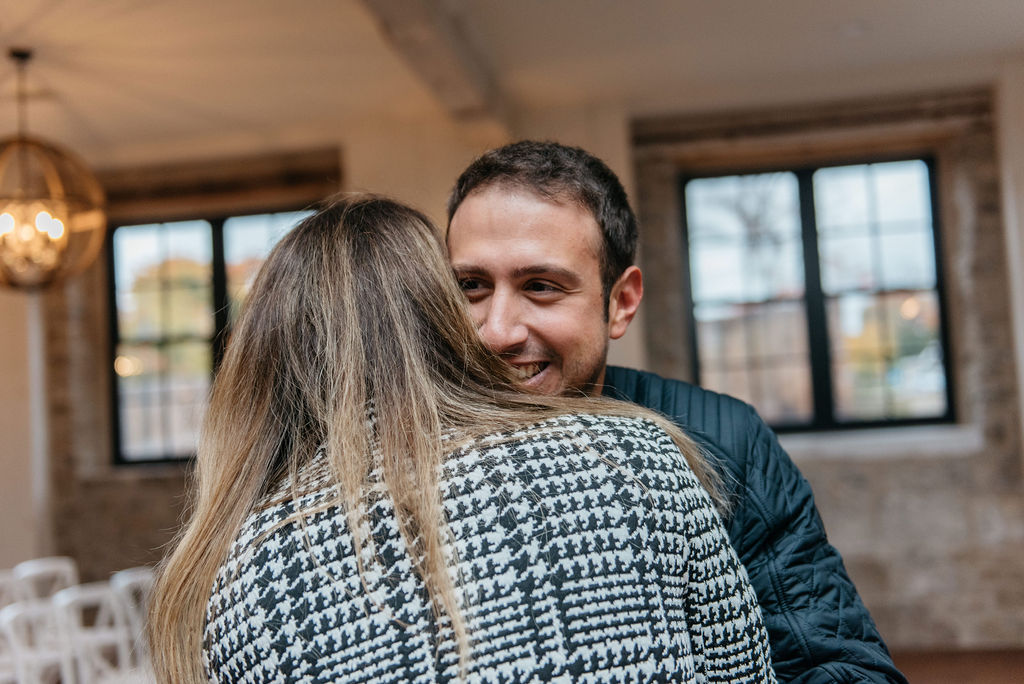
819 629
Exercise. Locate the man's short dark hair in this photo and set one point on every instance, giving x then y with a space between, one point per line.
560 173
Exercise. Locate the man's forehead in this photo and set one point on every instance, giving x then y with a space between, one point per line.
505 234
548 195
518 210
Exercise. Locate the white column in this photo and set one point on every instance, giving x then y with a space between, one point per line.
22 458
1009 119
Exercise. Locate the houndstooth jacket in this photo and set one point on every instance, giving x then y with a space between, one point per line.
587 551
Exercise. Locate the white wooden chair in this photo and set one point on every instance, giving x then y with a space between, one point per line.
40 653
133 587
94 621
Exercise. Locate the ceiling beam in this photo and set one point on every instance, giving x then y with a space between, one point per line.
434 45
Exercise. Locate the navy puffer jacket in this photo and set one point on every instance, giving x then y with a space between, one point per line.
818 627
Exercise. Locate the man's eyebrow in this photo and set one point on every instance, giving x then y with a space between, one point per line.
553 270
558 272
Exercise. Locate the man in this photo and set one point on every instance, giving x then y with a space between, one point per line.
542 239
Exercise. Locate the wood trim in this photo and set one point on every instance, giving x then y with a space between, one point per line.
793 136
269 182
942 106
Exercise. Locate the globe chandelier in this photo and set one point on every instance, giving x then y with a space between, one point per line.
52 218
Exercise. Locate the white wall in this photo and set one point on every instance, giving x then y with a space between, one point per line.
415 162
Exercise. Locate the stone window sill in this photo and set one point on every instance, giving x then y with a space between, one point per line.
926 441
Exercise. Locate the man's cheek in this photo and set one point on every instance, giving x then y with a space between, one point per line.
478 313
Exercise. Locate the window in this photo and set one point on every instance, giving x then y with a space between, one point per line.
816 294
176 288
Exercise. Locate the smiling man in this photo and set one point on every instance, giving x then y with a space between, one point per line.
542 239
530 268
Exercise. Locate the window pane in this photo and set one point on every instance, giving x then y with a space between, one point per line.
716 271
138 315
743 207
732 381
783 395
162 394
858 359
854 328
887 356
758 352
778 329
916 375
841 200
775 269
859 391
875 226
247 241
847 263
155 267
901 193
188 311
188 381
915 317
137 250
908 260
744 237
142 431
187 242
732 333
918 384
721 333
139 370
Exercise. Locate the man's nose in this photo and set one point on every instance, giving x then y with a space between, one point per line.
503 329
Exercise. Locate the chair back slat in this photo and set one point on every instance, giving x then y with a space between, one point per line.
43 577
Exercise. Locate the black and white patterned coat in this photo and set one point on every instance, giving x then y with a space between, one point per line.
586 550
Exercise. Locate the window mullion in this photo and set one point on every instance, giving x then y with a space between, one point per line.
817 321
221 307
940 287
687 284
163 344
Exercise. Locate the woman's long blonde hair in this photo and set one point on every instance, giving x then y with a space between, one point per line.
354 308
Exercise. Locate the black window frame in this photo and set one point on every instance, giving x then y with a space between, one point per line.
221 312
814 300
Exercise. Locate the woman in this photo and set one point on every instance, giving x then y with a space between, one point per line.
376 501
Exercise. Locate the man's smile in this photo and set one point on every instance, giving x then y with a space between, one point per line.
526 371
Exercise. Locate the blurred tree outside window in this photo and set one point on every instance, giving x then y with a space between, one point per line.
816 294
176 287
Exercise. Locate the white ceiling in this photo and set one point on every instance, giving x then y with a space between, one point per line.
115 79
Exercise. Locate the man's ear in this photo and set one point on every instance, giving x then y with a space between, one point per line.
624 300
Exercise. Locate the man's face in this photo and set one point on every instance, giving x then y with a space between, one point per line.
531 271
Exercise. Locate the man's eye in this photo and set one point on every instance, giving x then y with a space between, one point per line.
541 286
469 284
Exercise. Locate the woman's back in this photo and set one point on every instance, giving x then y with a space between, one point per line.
586 551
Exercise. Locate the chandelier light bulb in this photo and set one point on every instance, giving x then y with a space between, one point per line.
33 240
